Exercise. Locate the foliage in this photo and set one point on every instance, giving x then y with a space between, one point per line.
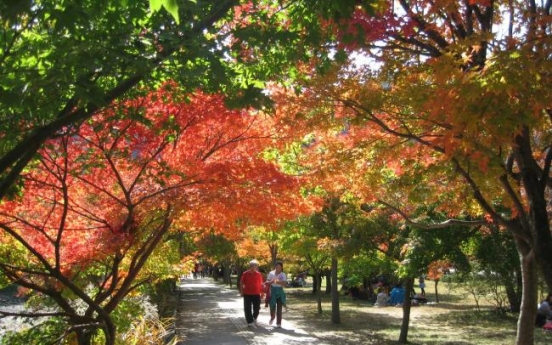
163 264
102 197
367 265
495 251
151 332
480 284
426 246
63 62
216 247
300 241
137 307
49 331
455 109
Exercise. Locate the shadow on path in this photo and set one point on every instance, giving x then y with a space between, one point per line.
209 313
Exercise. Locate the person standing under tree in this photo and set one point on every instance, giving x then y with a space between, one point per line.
251 288
278 281
422 285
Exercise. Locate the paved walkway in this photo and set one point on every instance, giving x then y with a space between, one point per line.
209 314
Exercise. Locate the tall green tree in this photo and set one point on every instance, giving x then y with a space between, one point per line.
495 251
300 239
334 224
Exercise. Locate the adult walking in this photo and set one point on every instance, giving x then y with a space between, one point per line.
251 287
278 281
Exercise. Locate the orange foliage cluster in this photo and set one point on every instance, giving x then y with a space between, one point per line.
438 269
364 140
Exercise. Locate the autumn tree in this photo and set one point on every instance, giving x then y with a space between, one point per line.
264 242
457 101
218 249
333 224
436 271
102 196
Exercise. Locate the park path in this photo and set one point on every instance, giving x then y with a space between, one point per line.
209 313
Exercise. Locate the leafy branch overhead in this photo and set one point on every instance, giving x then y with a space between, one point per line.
62 63
170 5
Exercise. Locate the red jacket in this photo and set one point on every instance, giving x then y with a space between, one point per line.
251 283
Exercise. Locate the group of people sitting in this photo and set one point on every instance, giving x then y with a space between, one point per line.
544 313
397 296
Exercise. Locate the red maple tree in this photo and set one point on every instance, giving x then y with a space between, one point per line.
103 195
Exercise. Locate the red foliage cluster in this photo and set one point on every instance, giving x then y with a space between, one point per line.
366 28
96 190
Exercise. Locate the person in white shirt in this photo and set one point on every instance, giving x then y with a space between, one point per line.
278 281
381 299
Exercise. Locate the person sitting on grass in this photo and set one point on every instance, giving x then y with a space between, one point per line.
544 311
381 299
397 295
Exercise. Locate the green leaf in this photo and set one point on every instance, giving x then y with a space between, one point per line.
155 5
172 7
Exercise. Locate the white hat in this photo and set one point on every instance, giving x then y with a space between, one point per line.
254 262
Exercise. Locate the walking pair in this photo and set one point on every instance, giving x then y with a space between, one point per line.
251 288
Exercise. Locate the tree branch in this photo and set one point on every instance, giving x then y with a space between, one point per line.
545 176
424 26
445 224
32 314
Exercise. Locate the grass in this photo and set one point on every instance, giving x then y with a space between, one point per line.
453 321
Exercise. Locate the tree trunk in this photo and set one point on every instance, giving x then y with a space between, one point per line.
110 331
273 253
436 291
229 277
84 336
403 337
538 223
319 300
316 290
336 318
526 320
226 273
513 289
240 273
329 283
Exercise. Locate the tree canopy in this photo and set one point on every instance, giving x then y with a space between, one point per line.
101 198
123 122
62 62
447 105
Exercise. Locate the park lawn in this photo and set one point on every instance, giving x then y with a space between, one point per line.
453 321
